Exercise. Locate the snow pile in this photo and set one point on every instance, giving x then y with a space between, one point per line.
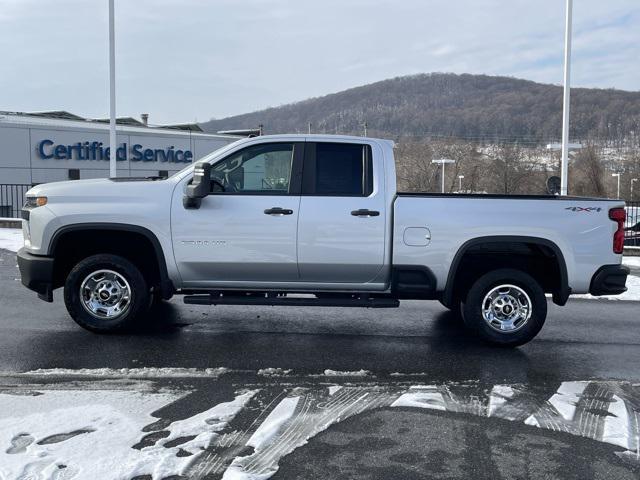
274 372
499 396
338 373
422 397
11 239
146 372
616 424
632 293
250 467
273 423
567 397
631 262
90 434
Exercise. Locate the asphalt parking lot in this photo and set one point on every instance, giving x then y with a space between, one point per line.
403 393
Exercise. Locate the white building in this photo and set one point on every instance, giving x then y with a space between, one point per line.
53 146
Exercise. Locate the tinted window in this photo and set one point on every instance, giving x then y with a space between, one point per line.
338 169
262 168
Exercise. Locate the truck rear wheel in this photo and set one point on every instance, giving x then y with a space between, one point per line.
105 293
505 307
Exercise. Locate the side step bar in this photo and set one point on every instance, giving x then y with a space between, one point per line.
217 299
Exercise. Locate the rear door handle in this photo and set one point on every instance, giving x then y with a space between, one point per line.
278 211
363 212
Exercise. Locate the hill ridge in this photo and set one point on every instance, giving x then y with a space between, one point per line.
453 105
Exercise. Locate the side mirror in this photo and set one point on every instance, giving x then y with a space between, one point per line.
199 187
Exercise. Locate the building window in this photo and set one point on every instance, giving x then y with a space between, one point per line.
74 174
163 173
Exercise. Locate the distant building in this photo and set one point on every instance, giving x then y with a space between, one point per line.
44 147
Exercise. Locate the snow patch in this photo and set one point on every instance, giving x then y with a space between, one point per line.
147 372
422 397
273 423
333 389
567 397
633 262
11 239
274 372
632 293
616 427
90 434
499 395
533 421
338 373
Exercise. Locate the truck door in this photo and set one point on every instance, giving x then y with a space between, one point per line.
341 227
248 232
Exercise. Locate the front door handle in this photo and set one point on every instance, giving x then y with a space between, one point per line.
278 211
363 212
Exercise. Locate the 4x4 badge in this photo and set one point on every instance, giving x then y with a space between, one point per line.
584 209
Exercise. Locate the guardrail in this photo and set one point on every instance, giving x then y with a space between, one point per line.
12 198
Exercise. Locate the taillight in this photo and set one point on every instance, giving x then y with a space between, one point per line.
619 216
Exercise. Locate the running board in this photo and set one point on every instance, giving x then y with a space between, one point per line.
277 301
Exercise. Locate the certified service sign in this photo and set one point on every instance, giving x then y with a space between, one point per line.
48 149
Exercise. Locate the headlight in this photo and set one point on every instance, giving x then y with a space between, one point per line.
33 202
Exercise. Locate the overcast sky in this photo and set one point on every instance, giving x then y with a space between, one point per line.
186 60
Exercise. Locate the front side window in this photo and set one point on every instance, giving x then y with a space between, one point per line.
259 169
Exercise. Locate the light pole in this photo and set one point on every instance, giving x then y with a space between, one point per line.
443 161
460 177
113 149
564 168
633 180
617 175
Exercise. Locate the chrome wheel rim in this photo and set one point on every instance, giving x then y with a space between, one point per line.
105 294
506 308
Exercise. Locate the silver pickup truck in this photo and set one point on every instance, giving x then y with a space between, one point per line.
314 220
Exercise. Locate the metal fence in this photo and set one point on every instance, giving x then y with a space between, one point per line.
12 198
632 225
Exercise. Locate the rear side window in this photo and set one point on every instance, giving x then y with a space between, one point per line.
337 169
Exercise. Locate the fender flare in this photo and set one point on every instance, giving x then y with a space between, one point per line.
166 286
560 296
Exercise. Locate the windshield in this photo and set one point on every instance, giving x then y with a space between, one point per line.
209 156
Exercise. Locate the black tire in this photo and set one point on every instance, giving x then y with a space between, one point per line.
136 306
473 307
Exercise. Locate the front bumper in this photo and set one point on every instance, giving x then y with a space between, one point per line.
609 280
37 273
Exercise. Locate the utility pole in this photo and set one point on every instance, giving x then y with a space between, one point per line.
633 180
443 161
113 148
564 168
460 177
309 128
365 129
617 175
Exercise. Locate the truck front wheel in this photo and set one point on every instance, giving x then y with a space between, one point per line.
105 293
505 307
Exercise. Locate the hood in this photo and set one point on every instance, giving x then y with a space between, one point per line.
100 187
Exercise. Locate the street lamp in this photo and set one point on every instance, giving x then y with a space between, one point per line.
443 161
633 180
113 149
460 177
564 165
617 175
